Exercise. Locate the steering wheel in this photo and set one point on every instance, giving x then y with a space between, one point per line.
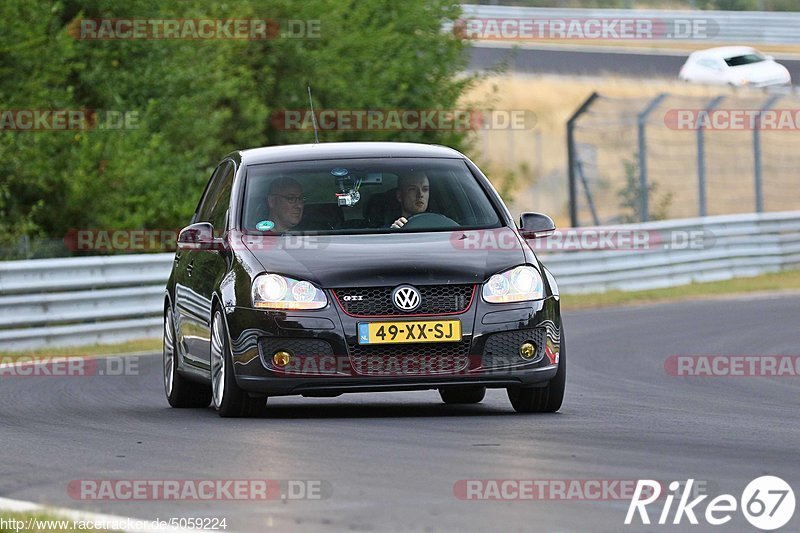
429 221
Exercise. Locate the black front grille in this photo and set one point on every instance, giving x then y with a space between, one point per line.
410 359
502 349
377 301
306 347
299 348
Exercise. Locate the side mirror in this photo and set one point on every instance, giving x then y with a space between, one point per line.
769 58
198 236
536 225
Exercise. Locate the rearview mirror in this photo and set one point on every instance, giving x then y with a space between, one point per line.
536 225
198 236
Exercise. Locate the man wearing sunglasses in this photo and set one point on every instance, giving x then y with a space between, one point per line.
286 201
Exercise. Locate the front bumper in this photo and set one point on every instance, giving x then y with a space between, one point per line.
327 360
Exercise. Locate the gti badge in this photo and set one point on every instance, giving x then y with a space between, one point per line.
406 298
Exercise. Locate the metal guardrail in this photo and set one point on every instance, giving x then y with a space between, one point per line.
734 246
96 300
81 300
742 27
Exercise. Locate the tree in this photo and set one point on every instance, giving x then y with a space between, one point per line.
193 101
631 194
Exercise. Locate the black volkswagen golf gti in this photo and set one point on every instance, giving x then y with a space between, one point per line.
327 268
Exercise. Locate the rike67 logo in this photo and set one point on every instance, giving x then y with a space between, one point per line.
767 503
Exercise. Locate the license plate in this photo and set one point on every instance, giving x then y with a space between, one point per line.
409 332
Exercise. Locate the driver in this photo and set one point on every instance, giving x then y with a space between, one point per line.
286 203
413 191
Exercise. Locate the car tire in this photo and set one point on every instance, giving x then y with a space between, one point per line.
545 399
181 392
229 400
462 395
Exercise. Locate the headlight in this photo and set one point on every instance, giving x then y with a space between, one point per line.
271 291
519 284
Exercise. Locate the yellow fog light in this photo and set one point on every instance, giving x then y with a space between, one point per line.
281 358
527 350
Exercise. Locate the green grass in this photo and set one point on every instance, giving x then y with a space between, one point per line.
41 517
778 281
135 346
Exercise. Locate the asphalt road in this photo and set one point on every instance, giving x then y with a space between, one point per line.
391 460
543 60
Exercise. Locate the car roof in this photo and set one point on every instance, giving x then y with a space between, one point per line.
343 150
723 52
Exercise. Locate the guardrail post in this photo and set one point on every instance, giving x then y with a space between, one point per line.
701 159
571 157
644 200
757 153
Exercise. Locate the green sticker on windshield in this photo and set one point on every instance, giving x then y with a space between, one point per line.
265 225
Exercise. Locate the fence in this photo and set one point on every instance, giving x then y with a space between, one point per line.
694 156
752 27
79 301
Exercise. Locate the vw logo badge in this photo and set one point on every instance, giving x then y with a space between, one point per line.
406 298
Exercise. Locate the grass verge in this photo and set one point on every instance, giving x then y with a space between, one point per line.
778 281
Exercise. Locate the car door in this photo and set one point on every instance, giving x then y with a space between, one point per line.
211 265
192 305
711 71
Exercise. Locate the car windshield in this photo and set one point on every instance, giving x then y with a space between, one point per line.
744 59
346 196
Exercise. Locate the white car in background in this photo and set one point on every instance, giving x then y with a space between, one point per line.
734 65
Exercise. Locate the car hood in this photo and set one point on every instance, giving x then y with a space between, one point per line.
337 261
